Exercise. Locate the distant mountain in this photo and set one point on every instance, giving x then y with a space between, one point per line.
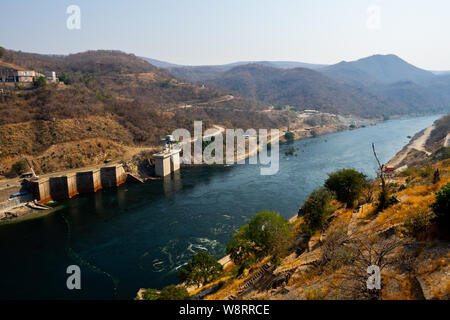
378 68
303 88
309 89
161 64
98 62
207 72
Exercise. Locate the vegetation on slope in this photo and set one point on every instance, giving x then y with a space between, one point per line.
129 93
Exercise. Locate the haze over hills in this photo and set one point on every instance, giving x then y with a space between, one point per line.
207 72
368 87
301 87
378 68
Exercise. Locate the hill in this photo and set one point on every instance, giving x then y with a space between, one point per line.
378 68
325 251
117 89
207 72
303 88
370 87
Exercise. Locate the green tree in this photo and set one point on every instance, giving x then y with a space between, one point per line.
202 269
173 292
150 294
289 136
2 52
20 166
241 248
316 209
266 233
347 184
441 207
40 82
64 77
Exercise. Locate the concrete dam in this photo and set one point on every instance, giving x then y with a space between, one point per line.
70 185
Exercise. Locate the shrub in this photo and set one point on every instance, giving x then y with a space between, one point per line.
40 82
65 78
20 166
266 233
441 207
202 269
173 292
150 294
347 184
289 136
442 153
314 294
245 265
418 224
316 209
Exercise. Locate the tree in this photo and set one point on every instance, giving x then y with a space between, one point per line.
201 269
241 247
173 292
64 77
316 209
2 52
40 82
347 184
383 197
441 207
150 294
266 233
20 166
289 136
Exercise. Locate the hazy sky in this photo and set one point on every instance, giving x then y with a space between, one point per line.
215 32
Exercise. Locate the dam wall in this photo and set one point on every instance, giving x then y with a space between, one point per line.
112 176
64 187
89 181
68 186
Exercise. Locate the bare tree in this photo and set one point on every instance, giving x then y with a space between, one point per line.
383 198
349 258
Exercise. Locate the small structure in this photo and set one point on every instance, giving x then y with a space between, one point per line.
10 75
168 160
51 76
387 172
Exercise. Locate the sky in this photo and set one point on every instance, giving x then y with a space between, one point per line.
207 32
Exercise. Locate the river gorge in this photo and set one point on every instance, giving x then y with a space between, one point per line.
140 235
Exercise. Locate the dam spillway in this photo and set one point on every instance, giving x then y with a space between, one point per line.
68 186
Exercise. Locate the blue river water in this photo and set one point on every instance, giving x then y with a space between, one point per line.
139 235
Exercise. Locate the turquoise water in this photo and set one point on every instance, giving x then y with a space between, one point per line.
139 235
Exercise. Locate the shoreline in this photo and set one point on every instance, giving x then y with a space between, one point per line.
322 132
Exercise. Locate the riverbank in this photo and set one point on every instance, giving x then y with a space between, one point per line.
143 233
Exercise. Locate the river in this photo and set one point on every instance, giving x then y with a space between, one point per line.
138 235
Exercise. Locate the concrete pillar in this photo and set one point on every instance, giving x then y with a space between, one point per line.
175 161
89 181
63 187
162 164
112 176
41 190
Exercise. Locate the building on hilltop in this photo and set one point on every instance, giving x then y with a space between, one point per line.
10 75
